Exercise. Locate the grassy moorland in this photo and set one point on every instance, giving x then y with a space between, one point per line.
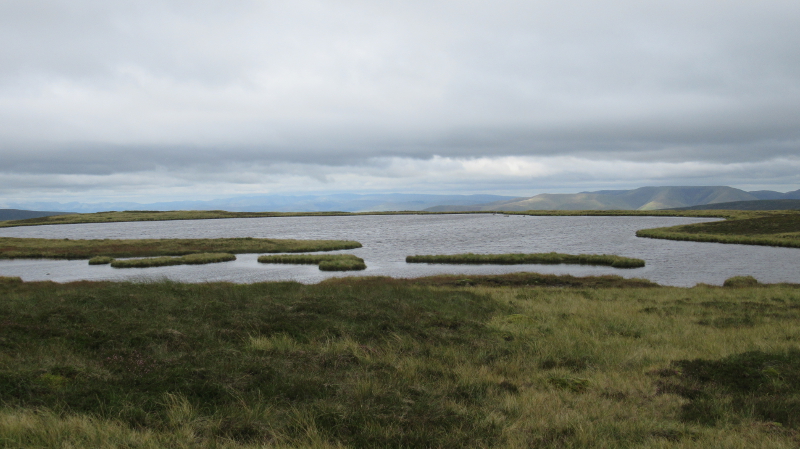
774 229
371 363
537 258
127 216
189 259
25 248
326 262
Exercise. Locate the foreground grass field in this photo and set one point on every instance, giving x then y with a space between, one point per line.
542 361
24 248
537 258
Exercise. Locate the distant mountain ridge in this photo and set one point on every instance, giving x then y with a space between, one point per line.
643 198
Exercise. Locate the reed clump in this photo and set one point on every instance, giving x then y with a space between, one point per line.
536 258
31 248
326 262
189 259
375 362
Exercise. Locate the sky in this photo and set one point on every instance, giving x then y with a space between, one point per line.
172 100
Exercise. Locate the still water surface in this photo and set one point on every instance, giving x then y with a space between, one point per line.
388 239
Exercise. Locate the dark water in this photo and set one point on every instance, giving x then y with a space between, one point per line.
389 239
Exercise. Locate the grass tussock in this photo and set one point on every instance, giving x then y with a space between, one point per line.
100 260
190 259
740 281
27 248
326 262
772 229
373 362
538 258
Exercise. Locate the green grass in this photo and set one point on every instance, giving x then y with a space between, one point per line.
376 362
25 248
537 258
190 259
774 229
326 262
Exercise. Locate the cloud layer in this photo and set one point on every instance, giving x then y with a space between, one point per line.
136 98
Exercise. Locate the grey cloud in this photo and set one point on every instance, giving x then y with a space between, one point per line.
93 87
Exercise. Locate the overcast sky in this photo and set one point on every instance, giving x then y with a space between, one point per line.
165 100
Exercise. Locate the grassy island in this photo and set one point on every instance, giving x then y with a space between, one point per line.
326 262
776 229
189 259
392 363
536 258
28 248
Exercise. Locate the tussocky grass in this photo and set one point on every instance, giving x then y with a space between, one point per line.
326 262
31 248
537 258
377 362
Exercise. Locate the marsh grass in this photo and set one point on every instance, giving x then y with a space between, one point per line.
775 229
537 258
189 259
375 362
100 260
29 248
326 262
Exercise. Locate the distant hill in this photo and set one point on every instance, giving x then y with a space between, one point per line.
19 214
643 198
748 205
770 195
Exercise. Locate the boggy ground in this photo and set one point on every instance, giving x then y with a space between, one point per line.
538 361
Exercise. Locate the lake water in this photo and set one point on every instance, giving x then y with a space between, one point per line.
388 239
